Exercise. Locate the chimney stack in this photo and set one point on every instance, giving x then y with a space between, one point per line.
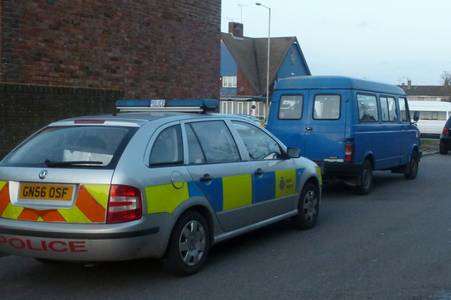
236 29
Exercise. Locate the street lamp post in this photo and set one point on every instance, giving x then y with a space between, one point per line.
269 57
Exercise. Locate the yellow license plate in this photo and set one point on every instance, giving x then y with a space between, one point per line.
47 192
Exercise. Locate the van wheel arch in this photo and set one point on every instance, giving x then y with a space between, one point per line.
370 158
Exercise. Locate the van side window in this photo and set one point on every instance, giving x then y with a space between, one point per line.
368 111
291 107
327 107
216 141
404 110
392 110
384 109
168 148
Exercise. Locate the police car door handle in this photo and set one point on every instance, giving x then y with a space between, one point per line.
206 178
309 129
259 172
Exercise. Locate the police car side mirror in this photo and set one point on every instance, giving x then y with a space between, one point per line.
293 152
416 116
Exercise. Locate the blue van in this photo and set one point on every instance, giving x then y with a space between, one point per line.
349 127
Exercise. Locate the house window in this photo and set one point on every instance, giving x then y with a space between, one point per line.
229 82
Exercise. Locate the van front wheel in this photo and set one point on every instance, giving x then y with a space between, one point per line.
365 180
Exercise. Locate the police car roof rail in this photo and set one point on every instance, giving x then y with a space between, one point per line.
161 105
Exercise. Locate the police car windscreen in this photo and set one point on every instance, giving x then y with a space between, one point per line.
75 147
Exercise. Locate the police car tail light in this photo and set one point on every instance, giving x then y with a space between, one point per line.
125 204
445 131
349 150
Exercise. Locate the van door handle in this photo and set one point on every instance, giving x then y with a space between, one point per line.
309 129
259 172
206 178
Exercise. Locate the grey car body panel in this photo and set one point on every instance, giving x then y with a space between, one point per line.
149 237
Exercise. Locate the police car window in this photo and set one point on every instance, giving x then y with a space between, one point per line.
368 111
291 107
384 109
167 148
95 146
327 107
259 145
196 155
216 141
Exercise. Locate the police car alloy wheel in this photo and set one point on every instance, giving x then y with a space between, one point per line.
308 207
189 245
192 243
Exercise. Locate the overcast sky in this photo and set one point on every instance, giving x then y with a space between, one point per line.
383 40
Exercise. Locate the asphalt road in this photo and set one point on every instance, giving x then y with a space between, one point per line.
395 243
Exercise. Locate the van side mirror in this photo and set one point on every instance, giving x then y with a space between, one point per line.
416 116
293 152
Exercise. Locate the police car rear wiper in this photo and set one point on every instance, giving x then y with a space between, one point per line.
55 164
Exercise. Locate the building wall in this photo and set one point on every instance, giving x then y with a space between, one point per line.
152 48
293 64
27 108
428 98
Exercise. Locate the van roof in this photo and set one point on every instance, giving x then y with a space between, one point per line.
336 82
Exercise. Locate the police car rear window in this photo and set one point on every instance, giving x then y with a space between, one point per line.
72 147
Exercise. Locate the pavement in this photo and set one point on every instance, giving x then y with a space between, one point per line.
392 244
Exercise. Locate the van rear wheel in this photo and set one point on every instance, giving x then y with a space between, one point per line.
412 168
365 179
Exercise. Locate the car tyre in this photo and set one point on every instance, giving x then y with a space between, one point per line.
308 207
365 179
189 245
443 149
412 167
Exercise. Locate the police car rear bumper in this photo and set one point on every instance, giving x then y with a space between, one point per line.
84 243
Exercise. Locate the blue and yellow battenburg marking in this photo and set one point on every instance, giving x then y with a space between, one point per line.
226 193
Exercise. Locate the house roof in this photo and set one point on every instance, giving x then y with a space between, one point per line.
251 57
336 82
427 90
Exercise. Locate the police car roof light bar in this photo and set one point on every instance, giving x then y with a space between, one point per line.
174 105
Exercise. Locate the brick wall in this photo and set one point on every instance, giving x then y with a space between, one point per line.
152 48
26 108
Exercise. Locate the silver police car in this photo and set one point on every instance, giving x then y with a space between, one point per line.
155 180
